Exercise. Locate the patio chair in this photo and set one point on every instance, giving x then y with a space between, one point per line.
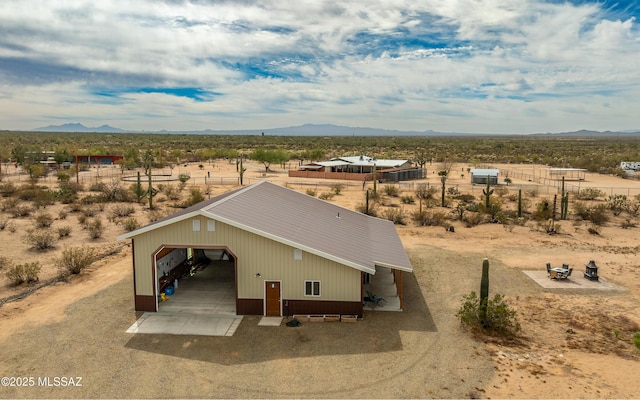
548 268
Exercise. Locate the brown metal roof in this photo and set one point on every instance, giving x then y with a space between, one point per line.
304 222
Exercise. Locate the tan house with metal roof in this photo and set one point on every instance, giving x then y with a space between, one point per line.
288 253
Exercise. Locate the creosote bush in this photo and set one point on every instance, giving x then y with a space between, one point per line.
326 196
501 320
75 259
40 239
64 231
95 227
395 215
130 224
311 192
43 220
21 273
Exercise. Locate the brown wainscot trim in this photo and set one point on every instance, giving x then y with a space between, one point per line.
145 303
292 307
249 307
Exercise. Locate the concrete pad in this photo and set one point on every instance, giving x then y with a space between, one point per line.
575 281
186 324
270 321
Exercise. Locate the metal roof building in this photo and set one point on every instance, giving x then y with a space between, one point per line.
271 234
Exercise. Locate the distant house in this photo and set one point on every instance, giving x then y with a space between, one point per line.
480 176
630 165
98 159
288 253
360 168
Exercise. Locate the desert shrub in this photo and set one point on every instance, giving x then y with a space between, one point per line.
501 320
391 190
75 207
64 231
22 210
121 211
531 192
424 218
130 224
183 178
90 211
311 192
9 204
336 188
617 203
544 210
372 211
598 215
7 189
628 223
95 227
407 199
512 197
326 196
62 214
28 193
171 192
82 220
73 260
395 215
96 187
43 220
91 199
195 196
465 197
453 191
45 198
154 216
473 219
3 223
501 191
590 194
636 339
21 273
40 239
633 208
4 262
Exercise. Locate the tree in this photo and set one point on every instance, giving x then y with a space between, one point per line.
421 158
268 157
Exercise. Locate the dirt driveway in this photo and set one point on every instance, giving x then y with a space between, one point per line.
418 353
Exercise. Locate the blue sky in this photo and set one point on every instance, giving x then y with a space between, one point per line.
486 66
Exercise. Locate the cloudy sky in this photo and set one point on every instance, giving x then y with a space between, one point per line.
487 66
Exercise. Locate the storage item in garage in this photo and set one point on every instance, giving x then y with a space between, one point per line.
168 290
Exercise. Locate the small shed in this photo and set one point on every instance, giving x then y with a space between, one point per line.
480 176
569 174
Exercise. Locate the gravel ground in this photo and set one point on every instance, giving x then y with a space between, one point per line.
417 353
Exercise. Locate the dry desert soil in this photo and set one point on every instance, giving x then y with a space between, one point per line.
574 343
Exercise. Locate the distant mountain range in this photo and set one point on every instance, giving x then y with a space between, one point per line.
317 130
77 127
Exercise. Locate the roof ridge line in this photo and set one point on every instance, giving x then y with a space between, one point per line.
238 192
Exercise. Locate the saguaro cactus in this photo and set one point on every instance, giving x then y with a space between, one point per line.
487 194
367 203
138 189
519 203
484 291
564 202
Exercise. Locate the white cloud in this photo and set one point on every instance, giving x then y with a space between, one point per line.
459 65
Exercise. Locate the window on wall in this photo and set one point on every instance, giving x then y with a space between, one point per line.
196 225
211 225
312 288
297 254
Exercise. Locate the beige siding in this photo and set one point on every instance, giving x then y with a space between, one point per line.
255 254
